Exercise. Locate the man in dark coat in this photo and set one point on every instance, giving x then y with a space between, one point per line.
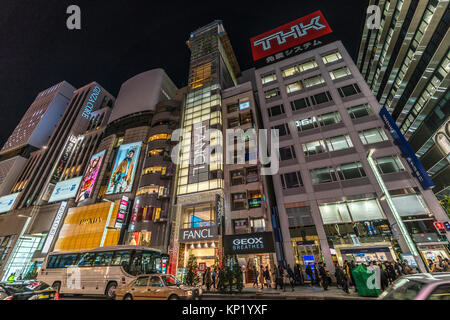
323 275
291 276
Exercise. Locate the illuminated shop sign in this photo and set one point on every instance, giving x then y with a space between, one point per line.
90 176
259 242
407 152
54 228
6 202
65 189
125 165
68 149
199 234
199 170
244 105
289 35
122 212
91 102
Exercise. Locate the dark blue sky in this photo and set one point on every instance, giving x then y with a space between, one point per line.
120 39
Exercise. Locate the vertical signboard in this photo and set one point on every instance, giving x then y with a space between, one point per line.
125 165
199 168
409 155
54 228
122 212
68 149
90 176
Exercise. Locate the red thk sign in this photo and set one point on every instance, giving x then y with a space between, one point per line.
291 34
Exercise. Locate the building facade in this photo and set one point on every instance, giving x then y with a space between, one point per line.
330 205
199 195
405 62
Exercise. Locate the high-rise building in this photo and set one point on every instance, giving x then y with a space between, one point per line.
405 60
32 132
332 205
46 186
198 224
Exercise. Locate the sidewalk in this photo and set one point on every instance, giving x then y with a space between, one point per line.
301 293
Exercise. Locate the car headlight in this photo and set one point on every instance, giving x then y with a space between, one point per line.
189 293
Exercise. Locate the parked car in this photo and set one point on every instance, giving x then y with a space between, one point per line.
27 290
157 287
419 286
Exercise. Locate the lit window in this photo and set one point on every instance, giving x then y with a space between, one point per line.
293 87
313 81
339 73
372 136
268 78
335 56
160 136
359 111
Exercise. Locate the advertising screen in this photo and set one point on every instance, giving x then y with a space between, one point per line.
124 168
291 34
90 176
6 202
65 189
122 212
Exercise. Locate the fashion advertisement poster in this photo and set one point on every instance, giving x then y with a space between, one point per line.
124 168
90 176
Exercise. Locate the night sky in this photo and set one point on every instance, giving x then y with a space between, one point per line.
119 39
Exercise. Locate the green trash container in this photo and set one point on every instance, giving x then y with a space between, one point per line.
366 281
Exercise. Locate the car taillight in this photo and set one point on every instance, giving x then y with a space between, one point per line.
123 280
56 296
8 298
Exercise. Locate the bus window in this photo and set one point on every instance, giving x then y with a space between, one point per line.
68 260
87 259
121 258
158 264
148 262
52 261
103 258
136 264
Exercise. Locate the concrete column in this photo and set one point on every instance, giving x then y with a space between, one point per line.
317 219
284 226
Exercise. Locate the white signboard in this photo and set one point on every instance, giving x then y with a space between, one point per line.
65 189
6 202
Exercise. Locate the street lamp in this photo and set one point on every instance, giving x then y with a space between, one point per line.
386 196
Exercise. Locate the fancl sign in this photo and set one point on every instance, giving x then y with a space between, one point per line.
414 163
91 102
198 234
54 227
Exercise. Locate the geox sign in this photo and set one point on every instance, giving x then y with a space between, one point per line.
291 34
258 242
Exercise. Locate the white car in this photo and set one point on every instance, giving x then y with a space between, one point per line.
420 286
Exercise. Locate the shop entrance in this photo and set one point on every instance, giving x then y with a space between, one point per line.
432 252
249 262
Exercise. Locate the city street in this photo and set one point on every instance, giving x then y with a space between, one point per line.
300 293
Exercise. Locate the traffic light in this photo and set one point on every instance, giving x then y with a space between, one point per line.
439 227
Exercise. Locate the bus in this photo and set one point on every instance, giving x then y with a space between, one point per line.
101 270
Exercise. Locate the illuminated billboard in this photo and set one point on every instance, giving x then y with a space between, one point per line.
289 35
90 176
65 189
125 165
6 202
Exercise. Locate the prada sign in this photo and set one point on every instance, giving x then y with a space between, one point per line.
260 242
199 234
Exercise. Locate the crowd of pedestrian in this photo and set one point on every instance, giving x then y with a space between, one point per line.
284 277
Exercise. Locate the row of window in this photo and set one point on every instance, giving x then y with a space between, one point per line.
345 171
305 66
246 200
256 225
345 91
243 176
